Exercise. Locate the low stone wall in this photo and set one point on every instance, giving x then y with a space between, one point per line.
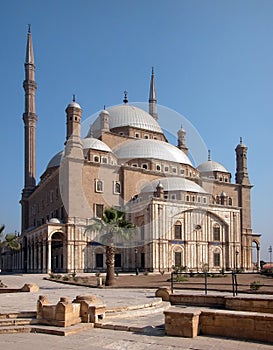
190 322
238 303
240 325
197 300
251 304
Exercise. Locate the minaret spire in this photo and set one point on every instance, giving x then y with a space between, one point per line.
152 97
181 136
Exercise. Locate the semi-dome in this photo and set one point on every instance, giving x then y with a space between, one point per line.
128 115
210 166
55 160
90 142
152 149
87 143
173 184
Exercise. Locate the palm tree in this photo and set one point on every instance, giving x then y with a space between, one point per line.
11 241
2 227
111 227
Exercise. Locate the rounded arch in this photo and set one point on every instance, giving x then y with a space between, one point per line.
57 251
255 254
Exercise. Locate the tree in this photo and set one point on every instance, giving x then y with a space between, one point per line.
2 227
112 226
11 241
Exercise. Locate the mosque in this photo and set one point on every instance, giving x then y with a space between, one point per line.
186 216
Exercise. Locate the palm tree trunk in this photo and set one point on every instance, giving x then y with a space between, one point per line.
110 265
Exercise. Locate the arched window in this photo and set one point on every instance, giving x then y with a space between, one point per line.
99 185
216 233
178 231
216 259
230 201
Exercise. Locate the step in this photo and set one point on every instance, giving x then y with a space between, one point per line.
22 314
16 322
134 311
15 329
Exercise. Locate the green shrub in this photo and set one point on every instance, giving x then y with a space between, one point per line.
255 286
65 278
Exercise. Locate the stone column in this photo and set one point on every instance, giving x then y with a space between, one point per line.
49 256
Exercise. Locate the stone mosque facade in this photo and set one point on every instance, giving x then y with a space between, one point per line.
186 215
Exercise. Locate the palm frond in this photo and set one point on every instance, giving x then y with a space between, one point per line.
2 227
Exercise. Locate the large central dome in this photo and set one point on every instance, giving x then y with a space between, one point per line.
151 149
128 115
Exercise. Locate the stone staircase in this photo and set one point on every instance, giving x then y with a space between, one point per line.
148 319
27 323
17 322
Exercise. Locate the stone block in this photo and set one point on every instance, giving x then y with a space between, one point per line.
182 322
30 287
164 293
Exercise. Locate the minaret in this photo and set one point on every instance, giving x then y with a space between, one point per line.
73 119
244 201
181 135
30 119
104 121
241 164
152 97
73 144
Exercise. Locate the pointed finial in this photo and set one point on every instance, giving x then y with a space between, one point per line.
104 107
74 98
125 100
29 25
152 70
241 140
209 155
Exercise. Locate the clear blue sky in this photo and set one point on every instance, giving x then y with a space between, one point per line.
213 62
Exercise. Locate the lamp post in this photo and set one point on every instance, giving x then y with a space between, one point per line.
236 261
270 254
136 262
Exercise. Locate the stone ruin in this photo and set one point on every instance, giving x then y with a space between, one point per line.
84 308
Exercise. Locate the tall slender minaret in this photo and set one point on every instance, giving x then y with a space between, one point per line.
152 97
30 119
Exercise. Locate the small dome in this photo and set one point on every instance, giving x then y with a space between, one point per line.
54 221
173 184
104 111
210 166
56 160
74 104
151 149
223 194
93 143
159 185
128 115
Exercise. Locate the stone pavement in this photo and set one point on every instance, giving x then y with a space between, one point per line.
99 338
